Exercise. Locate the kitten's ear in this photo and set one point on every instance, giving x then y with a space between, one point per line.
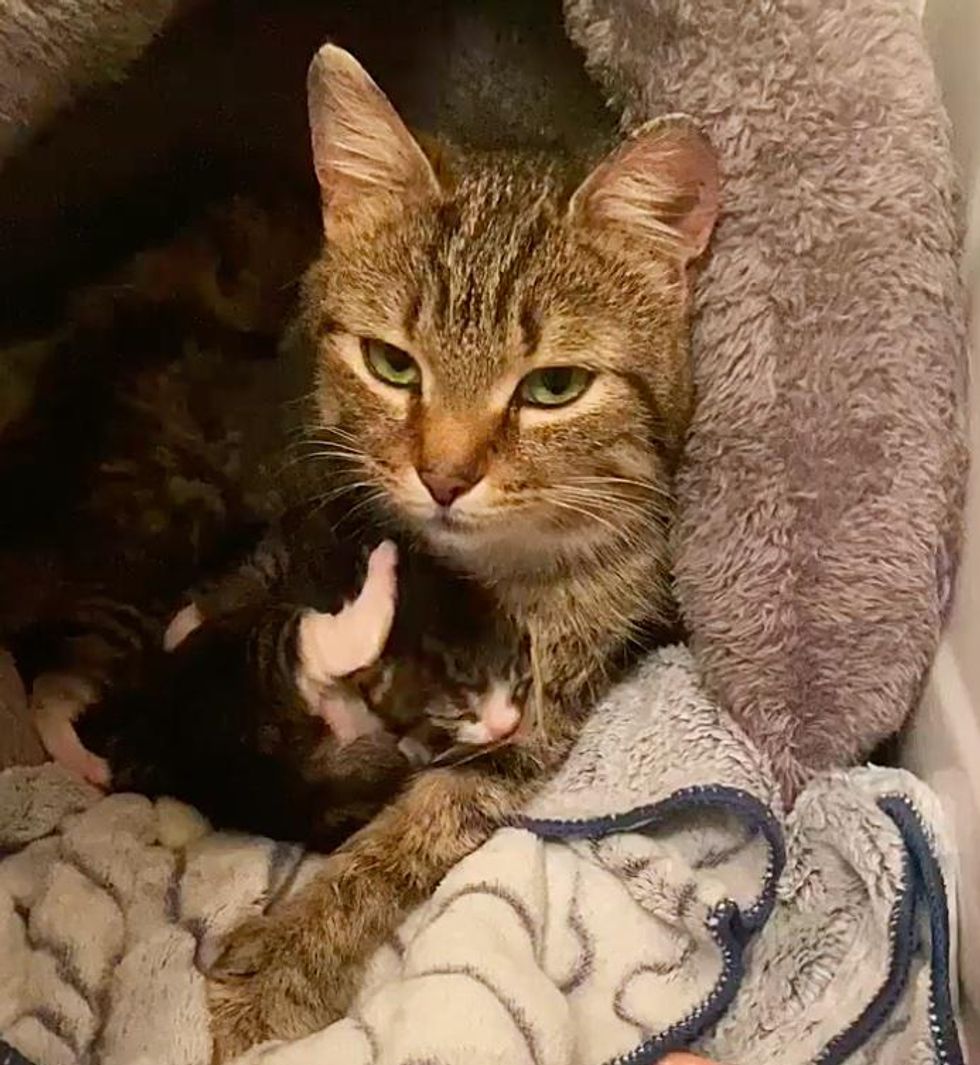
659 186
366 161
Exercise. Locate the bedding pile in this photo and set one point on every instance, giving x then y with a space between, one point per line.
655 896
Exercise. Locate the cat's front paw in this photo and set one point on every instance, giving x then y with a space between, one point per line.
266 984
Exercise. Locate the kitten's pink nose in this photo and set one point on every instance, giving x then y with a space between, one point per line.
445 488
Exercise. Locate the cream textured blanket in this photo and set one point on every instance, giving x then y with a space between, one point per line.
655 897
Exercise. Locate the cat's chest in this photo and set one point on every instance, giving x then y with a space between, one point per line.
580 634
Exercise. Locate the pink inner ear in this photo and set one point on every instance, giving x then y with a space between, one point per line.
364 157
685 163
699 171
660 184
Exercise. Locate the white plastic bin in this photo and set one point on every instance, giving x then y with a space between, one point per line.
944 744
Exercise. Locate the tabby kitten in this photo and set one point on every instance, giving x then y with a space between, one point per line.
139 464
297 709
502 342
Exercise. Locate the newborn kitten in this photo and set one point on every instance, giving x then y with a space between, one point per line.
451 660
144 457
285 712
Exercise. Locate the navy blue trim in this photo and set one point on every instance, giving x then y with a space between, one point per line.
932 891
728 925
11 1055
756 815
727 930
922 885
902 930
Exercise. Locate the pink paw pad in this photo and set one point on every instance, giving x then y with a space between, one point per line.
63 745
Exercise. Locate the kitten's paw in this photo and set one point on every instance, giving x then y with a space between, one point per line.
371 614
56 702
92 769
67 750
335 645
182 624
347 717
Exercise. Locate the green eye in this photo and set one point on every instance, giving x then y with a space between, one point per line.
390 364
554 386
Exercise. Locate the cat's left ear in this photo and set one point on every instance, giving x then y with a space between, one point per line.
659 187
367 163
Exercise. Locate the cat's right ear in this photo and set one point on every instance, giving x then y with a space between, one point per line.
657 190
367 163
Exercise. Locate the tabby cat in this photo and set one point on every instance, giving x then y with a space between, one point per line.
502 348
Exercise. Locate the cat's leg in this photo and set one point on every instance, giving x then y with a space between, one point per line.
296 970
335 645
57 701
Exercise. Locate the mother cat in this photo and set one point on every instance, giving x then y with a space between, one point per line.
502 344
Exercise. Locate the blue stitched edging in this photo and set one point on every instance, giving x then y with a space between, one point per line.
752 811
11 1055
730 928
728 932
901 929
932 890
922 883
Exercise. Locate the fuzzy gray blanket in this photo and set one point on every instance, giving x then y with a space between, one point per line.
52 52
654 897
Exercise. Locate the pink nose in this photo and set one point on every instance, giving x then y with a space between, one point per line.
445 488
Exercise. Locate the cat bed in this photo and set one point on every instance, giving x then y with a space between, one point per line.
656 897
817 538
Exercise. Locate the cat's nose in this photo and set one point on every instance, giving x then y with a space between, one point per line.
445 488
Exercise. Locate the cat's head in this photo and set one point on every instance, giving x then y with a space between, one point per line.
502 339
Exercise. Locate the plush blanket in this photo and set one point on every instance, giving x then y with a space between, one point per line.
654 896
51 52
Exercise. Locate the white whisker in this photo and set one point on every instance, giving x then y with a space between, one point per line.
583 512
653 487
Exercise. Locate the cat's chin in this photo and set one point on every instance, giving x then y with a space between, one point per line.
499 548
